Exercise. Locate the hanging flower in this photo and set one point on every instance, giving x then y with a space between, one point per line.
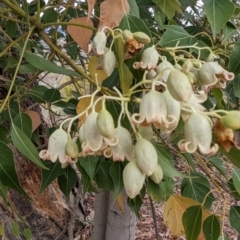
99 43
153 110
124 148
212 74
198 135
164 68
56 147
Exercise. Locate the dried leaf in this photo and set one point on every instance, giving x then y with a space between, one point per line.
36 119
83 104
120 202
112 12
224 136
91 4
81 35
173 211
95 67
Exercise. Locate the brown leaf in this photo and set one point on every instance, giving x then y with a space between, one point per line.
173 211
112 12
91 4
36 119
81 35
120 202
224 136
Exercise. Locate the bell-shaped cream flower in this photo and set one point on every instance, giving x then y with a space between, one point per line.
94 141
212 74
149 59
124 148
99 43
164 69
56 148
198 135
153 110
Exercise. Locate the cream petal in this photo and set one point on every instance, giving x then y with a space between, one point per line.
187 146
207 150
43 154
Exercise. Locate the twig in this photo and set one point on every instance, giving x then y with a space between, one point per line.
154 218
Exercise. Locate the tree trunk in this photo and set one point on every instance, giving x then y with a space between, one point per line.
110 222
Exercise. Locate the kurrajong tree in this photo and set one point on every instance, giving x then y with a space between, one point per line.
154 85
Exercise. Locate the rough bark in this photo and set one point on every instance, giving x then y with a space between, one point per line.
116 224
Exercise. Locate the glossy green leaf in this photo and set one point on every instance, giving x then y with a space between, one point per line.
67 181
50 175
236 179
37 93
46 65
116 171
197 187
103 177
218 163
27 233
234 217
8 174
15 229
232 190
211 228
50 15
52 95
234 61
25 146
169 7
89 164
236 86
3 133
12 111
176 35
135 204
24 122
214 9
192 222
134 10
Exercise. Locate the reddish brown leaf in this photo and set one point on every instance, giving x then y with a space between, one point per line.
224 136
111 13
91 4
36 119
81 35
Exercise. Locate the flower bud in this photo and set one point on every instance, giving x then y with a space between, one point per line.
109 62
99 43
231 120
127 35
157 175
146 132
71 149
105 124
187 66
142 37
179 86
133 179
146 156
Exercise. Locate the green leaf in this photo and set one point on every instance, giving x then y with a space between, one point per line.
11 28
3 193
228 31
232 189
218 163
103 177
3 133
234 61
223 238
46 65
27 68
55 170
197 187
176 35
236 86
27 233
214 9
135 204
25 146
15 229
187 3
169 7
50 15
89 164
218 94
192 221
160 18
134 10
12 111
24 122
116 171
67 181
234 217
232 155
37 93
211 228
236 179
52 95
8 174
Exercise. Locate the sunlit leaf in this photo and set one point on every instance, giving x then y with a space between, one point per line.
234 217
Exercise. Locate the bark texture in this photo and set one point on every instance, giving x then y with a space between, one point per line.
115 224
